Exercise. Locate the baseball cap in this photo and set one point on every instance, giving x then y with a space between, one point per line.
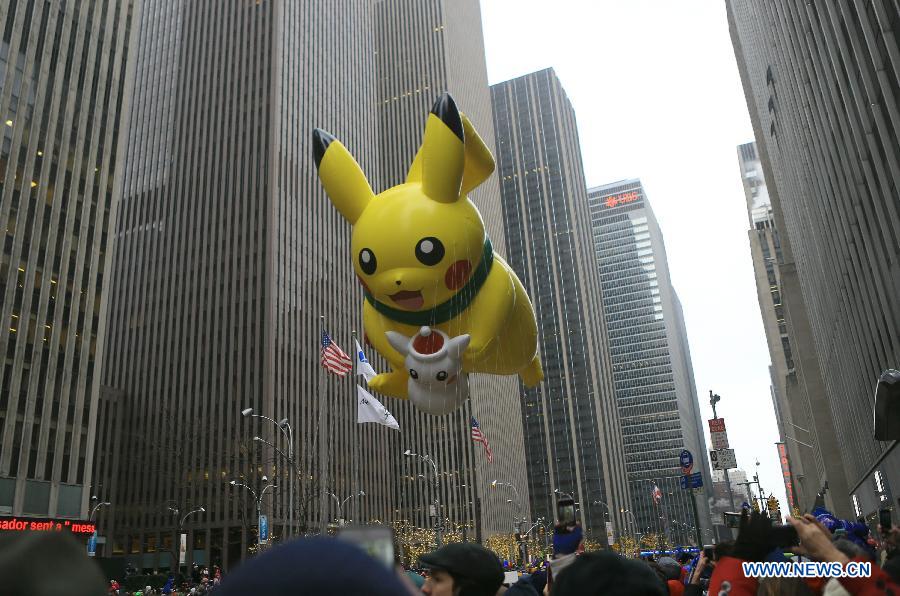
468 561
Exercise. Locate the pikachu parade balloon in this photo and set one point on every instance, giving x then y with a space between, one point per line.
424 259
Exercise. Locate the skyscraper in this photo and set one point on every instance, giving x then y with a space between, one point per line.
228 252
425 47
820 80
573 442
62 96
804 418
651 360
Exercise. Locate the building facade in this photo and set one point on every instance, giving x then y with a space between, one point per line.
651 362
573 443
804 419
63 72
229 258
423 48
821 82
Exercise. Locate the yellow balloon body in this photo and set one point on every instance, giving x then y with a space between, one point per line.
422 255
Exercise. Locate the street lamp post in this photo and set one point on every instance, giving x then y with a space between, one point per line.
633 521
713 400
288 431
520 519
97 506
258 498
437 504
91 518
176 512
340 504
599 502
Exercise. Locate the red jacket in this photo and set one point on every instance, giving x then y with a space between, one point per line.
728 577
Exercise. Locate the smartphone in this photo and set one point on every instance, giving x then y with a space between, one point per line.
378 541
732 519
783 536
565 511
884 520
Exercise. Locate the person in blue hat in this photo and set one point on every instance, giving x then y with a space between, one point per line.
313 567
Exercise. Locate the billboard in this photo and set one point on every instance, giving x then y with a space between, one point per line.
786 475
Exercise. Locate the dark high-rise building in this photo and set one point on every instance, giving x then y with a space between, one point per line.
62 97
425 47
228 252
804 418
651 361
573 442
821 82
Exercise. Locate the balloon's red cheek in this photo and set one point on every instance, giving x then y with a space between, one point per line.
458 274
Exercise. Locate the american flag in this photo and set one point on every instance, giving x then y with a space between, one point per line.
657 494
333 357
479 437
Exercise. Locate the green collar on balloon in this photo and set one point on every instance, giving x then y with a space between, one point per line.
449 309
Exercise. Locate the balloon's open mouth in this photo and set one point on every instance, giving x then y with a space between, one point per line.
411 300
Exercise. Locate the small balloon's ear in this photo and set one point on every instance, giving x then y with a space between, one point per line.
479 162
457 345
442 152
343 179
398 341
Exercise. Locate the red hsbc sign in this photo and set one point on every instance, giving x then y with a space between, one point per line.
622 198
33 524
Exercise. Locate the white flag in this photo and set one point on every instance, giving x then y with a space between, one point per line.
370 409
362 365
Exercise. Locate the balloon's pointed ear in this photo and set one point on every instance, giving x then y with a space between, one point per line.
442 153
457 346
479 161
398 341
343 179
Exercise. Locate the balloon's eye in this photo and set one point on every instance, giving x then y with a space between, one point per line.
442 376
429 251
413 373
367 261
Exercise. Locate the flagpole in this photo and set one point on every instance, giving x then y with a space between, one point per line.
355 481
323 518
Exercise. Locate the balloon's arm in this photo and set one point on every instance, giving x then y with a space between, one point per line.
490 311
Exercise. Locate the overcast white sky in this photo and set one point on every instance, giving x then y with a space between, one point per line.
658 97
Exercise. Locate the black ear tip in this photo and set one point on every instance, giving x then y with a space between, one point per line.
320 141
445 109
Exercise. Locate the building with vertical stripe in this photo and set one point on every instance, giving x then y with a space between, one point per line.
423 48
651 362
228 253
821 83
573 442
803 416
63 80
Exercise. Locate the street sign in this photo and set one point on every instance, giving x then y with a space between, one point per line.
92 545
182 549
722 459
717 425
719 440
687 461
694 480
610 535
263 529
